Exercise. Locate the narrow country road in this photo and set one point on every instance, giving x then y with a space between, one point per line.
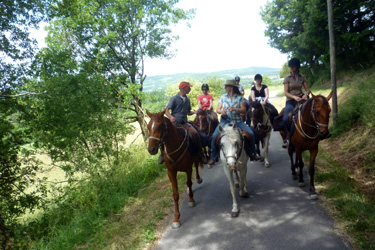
277 215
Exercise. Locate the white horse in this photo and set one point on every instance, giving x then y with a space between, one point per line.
234 157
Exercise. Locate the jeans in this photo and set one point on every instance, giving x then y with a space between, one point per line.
289 106
241 125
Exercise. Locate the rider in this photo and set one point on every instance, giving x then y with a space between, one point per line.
293 83
180 106
205 100
240 86
231 105
260 93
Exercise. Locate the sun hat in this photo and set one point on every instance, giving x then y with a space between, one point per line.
231 83
184 84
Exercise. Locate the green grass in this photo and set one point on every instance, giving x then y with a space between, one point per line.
347 202
87 208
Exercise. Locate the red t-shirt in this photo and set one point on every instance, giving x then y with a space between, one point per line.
205 101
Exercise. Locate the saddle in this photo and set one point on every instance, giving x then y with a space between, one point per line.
192 141
245 135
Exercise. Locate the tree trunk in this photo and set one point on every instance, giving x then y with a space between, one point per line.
141 118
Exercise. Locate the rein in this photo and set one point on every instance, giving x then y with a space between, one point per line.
317 124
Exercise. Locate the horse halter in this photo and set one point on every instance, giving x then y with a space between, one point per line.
161 139
317 124
237 154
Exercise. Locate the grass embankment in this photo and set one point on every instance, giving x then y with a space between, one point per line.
117 210
346 163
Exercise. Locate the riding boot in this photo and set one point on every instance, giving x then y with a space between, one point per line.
161 156
286 139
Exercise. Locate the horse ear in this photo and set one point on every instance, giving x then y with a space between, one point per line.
234 126
148 113
329 96
221 130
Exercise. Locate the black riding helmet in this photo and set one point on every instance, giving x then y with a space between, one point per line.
294 62
258 77
237 78
205 85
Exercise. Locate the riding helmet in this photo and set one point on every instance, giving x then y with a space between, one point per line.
237 78
205 85
294 62
258 76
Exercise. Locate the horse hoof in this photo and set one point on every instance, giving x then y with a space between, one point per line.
176 225
245 195
267 165
294 177
301 184
237 185
199 181
313 196
191 204
235 214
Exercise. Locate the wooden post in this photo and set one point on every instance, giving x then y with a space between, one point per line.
332 52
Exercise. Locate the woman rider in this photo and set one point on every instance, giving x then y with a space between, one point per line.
231 105
293 83
260 93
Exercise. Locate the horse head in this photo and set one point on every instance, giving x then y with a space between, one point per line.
231 145
202 119
320 111
157 128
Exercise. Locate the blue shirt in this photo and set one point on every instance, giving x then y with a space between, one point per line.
233 116
180 108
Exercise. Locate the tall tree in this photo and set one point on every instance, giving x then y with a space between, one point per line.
112 39
300 29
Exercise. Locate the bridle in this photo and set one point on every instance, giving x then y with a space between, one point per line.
209 121
238 153
161 142
316 126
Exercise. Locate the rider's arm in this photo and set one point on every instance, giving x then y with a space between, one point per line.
219 109
199 104
267 94
253 95
171 118
306 88
209 108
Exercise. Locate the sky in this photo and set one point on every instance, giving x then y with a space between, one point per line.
224 35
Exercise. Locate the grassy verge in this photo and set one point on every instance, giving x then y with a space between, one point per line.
79 219
354 212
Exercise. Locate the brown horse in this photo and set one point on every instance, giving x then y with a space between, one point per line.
206 121
311 126
176 155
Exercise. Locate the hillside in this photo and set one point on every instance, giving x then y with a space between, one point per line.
160 82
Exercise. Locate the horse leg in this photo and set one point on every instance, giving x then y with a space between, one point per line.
189 183
266 148
236 179
313 153
299 163
197 176
292 166
173 179
235 212
243 184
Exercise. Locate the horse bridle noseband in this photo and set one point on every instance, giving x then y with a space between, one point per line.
317 124
238 153
161 142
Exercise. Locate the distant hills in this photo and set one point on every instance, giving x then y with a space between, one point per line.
161 82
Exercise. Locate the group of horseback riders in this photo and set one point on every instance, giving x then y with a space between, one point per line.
232 107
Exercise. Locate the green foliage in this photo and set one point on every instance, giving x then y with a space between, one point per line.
86 207
284 70
155 101
300 29
358 109
348 203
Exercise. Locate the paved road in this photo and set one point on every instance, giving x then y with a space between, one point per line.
277 215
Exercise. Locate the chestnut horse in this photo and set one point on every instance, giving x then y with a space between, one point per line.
311 126
206 121
176 155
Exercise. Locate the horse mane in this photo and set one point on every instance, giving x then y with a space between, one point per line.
232 133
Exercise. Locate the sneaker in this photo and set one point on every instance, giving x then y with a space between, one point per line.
161 159
211 161
285 144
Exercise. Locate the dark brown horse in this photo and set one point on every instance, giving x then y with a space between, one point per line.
311 126
176 155
206 121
